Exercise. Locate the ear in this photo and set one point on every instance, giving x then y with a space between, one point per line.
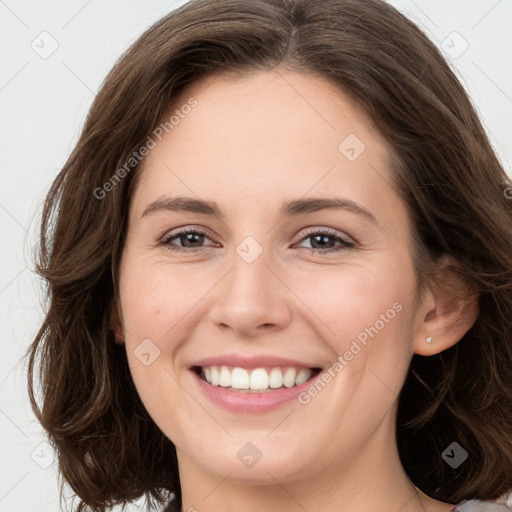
116 323
446 314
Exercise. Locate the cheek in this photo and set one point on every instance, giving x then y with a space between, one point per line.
161 305
365 318
357 302
155 297
151 304
364 314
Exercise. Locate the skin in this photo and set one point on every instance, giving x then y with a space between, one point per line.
250 144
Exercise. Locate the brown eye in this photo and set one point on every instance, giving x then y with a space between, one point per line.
190 238
325 241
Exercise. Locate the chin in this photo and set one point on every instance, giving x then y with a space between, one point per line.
261 462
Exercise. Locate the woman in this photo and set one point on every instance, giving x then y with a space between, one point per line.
280 273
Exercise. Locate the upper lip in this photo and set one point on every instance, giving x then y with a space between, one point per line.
251 362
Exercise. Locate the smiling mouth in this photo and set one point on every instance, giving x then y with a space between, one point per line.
255 380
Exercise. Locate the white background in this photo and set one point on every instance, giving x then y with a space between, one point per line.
43 103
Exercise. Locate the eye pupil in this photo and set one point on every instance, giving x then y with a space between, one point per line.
192 238
321 239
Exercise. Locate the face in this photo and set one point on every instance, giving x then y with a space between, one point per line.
282 275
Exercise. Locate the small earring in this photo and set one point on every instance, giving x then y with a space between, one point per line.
428 339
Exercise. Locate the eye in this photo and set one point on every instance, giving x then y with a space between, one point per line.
189 238
324 240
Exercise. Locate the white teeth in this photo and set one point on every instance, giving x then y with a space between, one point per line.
225 377
214 371
289 377
258 379
275 378
302 376
239 378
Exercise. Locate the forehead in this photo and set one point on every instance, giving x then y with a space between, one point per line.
246 105
279 131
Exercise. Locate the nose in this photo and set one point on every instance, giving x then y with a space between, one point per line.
251 299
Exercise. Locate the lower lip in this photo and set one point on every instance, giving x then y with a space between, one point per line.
244 402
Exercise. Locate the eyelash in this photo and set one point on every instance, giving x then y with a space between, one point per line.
346 243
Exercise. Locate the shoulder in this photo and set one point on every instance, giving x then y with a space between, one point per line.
502 504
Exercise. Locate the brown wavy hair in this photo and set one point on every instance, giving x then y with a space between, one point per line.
109 449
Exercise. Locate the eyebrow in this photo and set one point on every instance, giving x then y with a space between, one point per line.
289 208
